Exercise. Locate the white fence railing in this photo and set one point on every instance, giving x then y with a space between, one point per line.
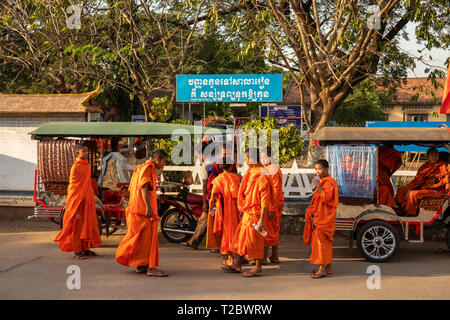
296 181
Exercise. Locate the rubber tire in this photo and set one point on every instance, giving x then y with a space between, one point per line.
164 219
100 224
386 225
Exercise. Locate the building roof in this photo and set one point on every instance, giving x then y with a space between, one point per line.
423 88
49 103
292 95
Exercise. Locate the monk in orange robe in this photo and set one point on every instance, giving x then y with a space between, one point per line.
273 220
139 247
223 206
80 228
389 160
253 201
431 181
319 220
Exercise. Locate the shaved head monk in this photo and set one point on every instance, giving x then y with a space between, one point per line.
319 220
253 201
273 220
389 160
139 247
431 181
80 230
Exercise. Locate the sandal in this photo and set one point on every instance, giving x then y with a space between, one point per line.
253 262
274 261
319 275
90 253
230 269
316 270
141 269
251 273
157 273
80 256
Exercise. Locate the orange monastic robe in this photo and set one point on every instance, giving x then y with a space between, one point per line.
139 247
320 217
225 192
80 227
431 181
254 194
272 226
388 161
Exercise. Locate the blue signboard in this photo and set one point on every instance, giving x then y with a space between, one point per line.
408 124
138 118
283 111
229 87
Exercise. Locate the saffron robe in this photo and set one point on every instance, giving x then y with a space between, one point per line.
431 181
226 219
388 161
139 247
320 218
213 239
254 194
272 226
80 227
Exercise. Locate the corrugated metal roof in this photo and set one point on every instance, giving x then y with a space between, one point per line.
333 135
119 129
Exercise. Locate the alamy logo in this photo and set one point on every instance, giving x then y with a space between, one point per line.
74 280
374 21
374 281
74 21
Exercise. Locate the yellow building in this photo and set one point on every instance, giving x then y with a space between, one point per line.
425 108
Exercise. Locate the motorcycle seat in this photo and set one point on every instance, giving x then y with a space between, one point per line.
194 198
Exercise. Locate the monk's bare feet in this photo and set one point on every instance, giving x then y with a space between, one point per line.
252 273
231 268
321 272
328 269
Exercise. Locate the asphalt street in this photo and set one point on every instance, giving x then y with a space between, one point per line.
33 267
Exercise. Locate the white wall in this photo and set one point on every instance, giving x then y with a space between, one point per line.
18 158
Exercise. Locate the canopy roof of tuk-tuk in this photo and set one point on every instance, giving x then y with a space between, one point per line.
118 129
395 136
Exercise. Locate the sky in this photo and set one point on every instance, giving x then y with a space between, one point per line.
412 47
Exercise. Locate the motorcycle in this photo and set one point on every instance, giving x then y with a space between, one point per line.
179 213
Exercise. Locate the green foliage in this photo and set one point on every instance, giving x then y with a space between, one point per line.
160 110
290 141
364 104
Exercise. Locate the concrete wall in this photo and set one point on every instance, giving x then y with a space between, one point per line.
18 155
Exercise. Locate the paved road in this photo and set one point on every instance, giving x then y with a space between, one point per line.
33 267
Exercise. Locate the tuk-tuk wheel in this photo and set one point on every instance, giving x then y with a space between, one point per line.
378 241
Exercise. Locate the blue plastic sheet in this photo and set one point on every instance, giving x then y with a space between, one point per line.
354 169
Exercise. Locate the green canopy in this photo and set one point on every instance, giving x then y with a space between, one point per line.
118 129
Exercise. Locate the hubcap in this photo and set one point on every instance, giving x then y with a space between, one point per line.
378 242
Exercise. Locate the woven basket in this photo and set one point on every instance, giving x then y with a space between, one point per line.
432 204
56 158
